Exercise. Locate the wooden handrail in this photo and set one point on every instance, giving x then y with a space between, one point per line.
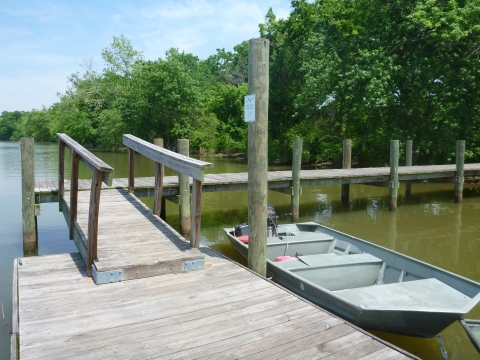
101 172
183 164
88 159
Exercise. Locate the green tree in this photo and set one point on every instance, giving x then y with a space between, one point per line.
121 56
9 120
36 124
374 72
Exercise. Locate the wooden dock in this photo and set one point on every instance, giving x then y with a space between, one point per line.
138 290
222 311
47 191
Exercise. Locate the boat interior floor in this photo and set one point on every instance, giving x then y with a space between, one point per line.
428 294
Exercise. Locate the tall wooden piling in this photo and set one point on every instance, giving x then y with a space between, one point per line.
408 162
258 82
460 159
28 195
184 191
346 164
394 145
158 200
296 167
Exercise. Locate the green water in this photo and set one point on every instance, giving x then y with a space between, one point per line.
428 226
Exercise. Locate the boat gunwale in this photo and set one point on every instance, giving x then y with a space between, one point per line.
471 335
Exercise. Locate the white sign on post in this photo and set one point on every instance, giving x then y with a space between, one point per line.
249 108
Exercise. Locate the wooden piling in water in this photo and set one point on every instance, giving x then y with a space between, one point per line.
184 191
394 144
296 189
258 81
460 160
28 195
346 164
408 162
158 200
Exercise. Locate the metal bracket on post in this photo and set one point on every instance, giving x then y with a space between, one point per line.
105 277
198 264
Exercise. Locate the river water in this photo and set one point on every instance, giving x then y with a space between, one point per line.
427 226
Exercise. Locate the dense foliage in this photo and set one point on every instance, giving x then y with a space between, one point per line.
373 71
179 96
367 70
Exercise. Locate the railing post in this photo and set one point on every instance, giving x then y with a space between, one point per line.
158 200
184 191
296 167
346 164
393 175
131 171
74 192
460 160
258 71
408 162
196 217
61 173
93 219
28 195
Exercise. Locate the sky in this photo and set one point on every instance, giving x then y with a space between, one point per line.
43 42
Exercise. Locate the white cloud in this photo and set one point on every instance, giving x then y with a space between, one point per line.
43 42
200 26
27 93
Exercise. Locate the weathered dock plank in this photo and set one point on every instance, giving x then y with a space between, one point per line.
222 311
13 347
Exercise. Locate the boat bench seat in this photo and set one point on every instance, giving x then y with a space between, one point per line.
425 294
335 272
328 260
305 244
332 259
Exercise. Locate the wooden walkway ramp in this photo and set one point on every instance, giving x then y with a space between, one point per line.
131 242
277 180
118 237
221 312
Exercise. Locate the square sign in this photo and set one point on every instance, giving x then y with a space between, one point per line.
249 108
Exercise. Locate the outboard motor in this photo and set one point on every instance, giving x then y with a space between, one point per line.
242 229
271 221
